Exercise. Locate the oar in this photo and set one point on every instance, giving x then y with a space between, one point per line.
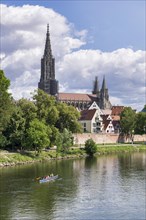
38 178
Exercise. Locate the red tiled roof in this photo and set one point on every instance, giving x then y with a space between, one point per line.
76 97
87 114
116 110
116 117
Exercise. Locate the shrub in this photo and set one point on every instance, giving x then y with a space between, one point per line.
90 147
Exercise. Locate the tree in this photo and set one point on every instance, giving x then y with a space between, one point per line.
144 109
63 141
38 135
29 110
140 123
55 137
5 101
128 122
44 103
15 130
68 118
90 147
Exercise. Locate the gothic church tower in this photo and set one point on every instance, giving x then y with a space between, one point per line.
104 102
48 83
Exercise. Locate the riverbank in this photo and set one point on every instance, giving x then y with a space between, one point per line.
17 158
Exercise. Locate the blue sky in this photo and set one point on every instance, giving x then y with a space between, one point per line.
111 24
88 38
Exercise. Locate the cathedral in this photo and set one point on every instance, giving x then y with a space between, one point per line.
50 85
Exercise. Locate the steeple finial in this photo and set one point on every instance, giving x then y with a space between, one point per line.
48 28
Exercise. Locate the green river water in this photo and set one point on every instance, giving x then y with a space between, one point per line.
104 187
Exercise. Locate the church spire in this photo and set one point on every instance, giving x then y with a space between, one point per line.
103 88
96 87
104 96
48 83
48 51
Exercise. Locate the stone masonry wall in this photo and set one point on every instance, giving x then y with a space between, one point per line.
80 139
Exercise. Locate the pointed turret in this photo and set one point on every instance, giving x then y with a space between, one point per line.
48 82
103 88
95 86
104 97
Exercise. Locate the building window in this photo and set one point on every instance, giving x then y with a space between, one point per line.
94 124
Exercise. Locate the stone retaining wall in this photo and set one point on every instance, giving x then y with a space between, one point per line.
80 139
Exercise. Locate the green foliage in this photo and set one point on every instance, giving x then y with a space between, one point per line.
5 101
128 121
29 110
64 141
43 103
38 135
55 137
3 141
140 123
15 129
68 118
90 147
144 109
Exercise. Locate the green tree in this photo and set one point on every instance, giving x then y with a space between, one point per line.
64 141
29 110
68 118
128 122
38 135
140 123
90 147
5 101
55 137
15 131
144 109
45 106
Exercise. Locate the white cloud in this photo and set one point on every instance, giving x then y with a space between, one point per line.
23 31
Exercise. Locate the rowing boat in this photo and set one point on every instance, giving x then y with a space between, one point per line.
48 179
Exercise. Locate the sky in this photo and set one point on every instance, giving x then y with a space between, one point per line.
88 39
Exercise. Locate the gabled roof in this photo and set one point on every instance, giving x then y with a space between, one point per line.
76 97
95 106
116 110
106 118
106 123
116 117
87 114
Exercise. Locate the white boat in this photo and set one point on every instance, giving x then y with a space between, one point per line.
48 179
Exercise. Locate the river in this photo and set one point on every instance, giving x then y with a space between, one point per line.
108 187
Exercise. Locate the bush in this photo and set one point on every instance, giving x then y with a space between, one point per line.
90 147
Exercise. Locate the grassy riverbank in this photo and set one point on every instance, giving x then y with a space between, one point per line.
14 158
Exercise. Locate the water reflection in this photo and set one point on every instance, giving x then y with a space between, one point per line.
104 187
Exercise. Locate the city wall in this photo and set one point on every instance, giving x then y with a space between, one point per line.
80 139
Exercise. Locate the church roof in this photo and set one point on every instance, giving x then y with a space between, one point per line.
76 97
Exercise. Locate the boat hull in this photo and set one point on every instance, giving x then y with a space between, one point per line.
51 178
